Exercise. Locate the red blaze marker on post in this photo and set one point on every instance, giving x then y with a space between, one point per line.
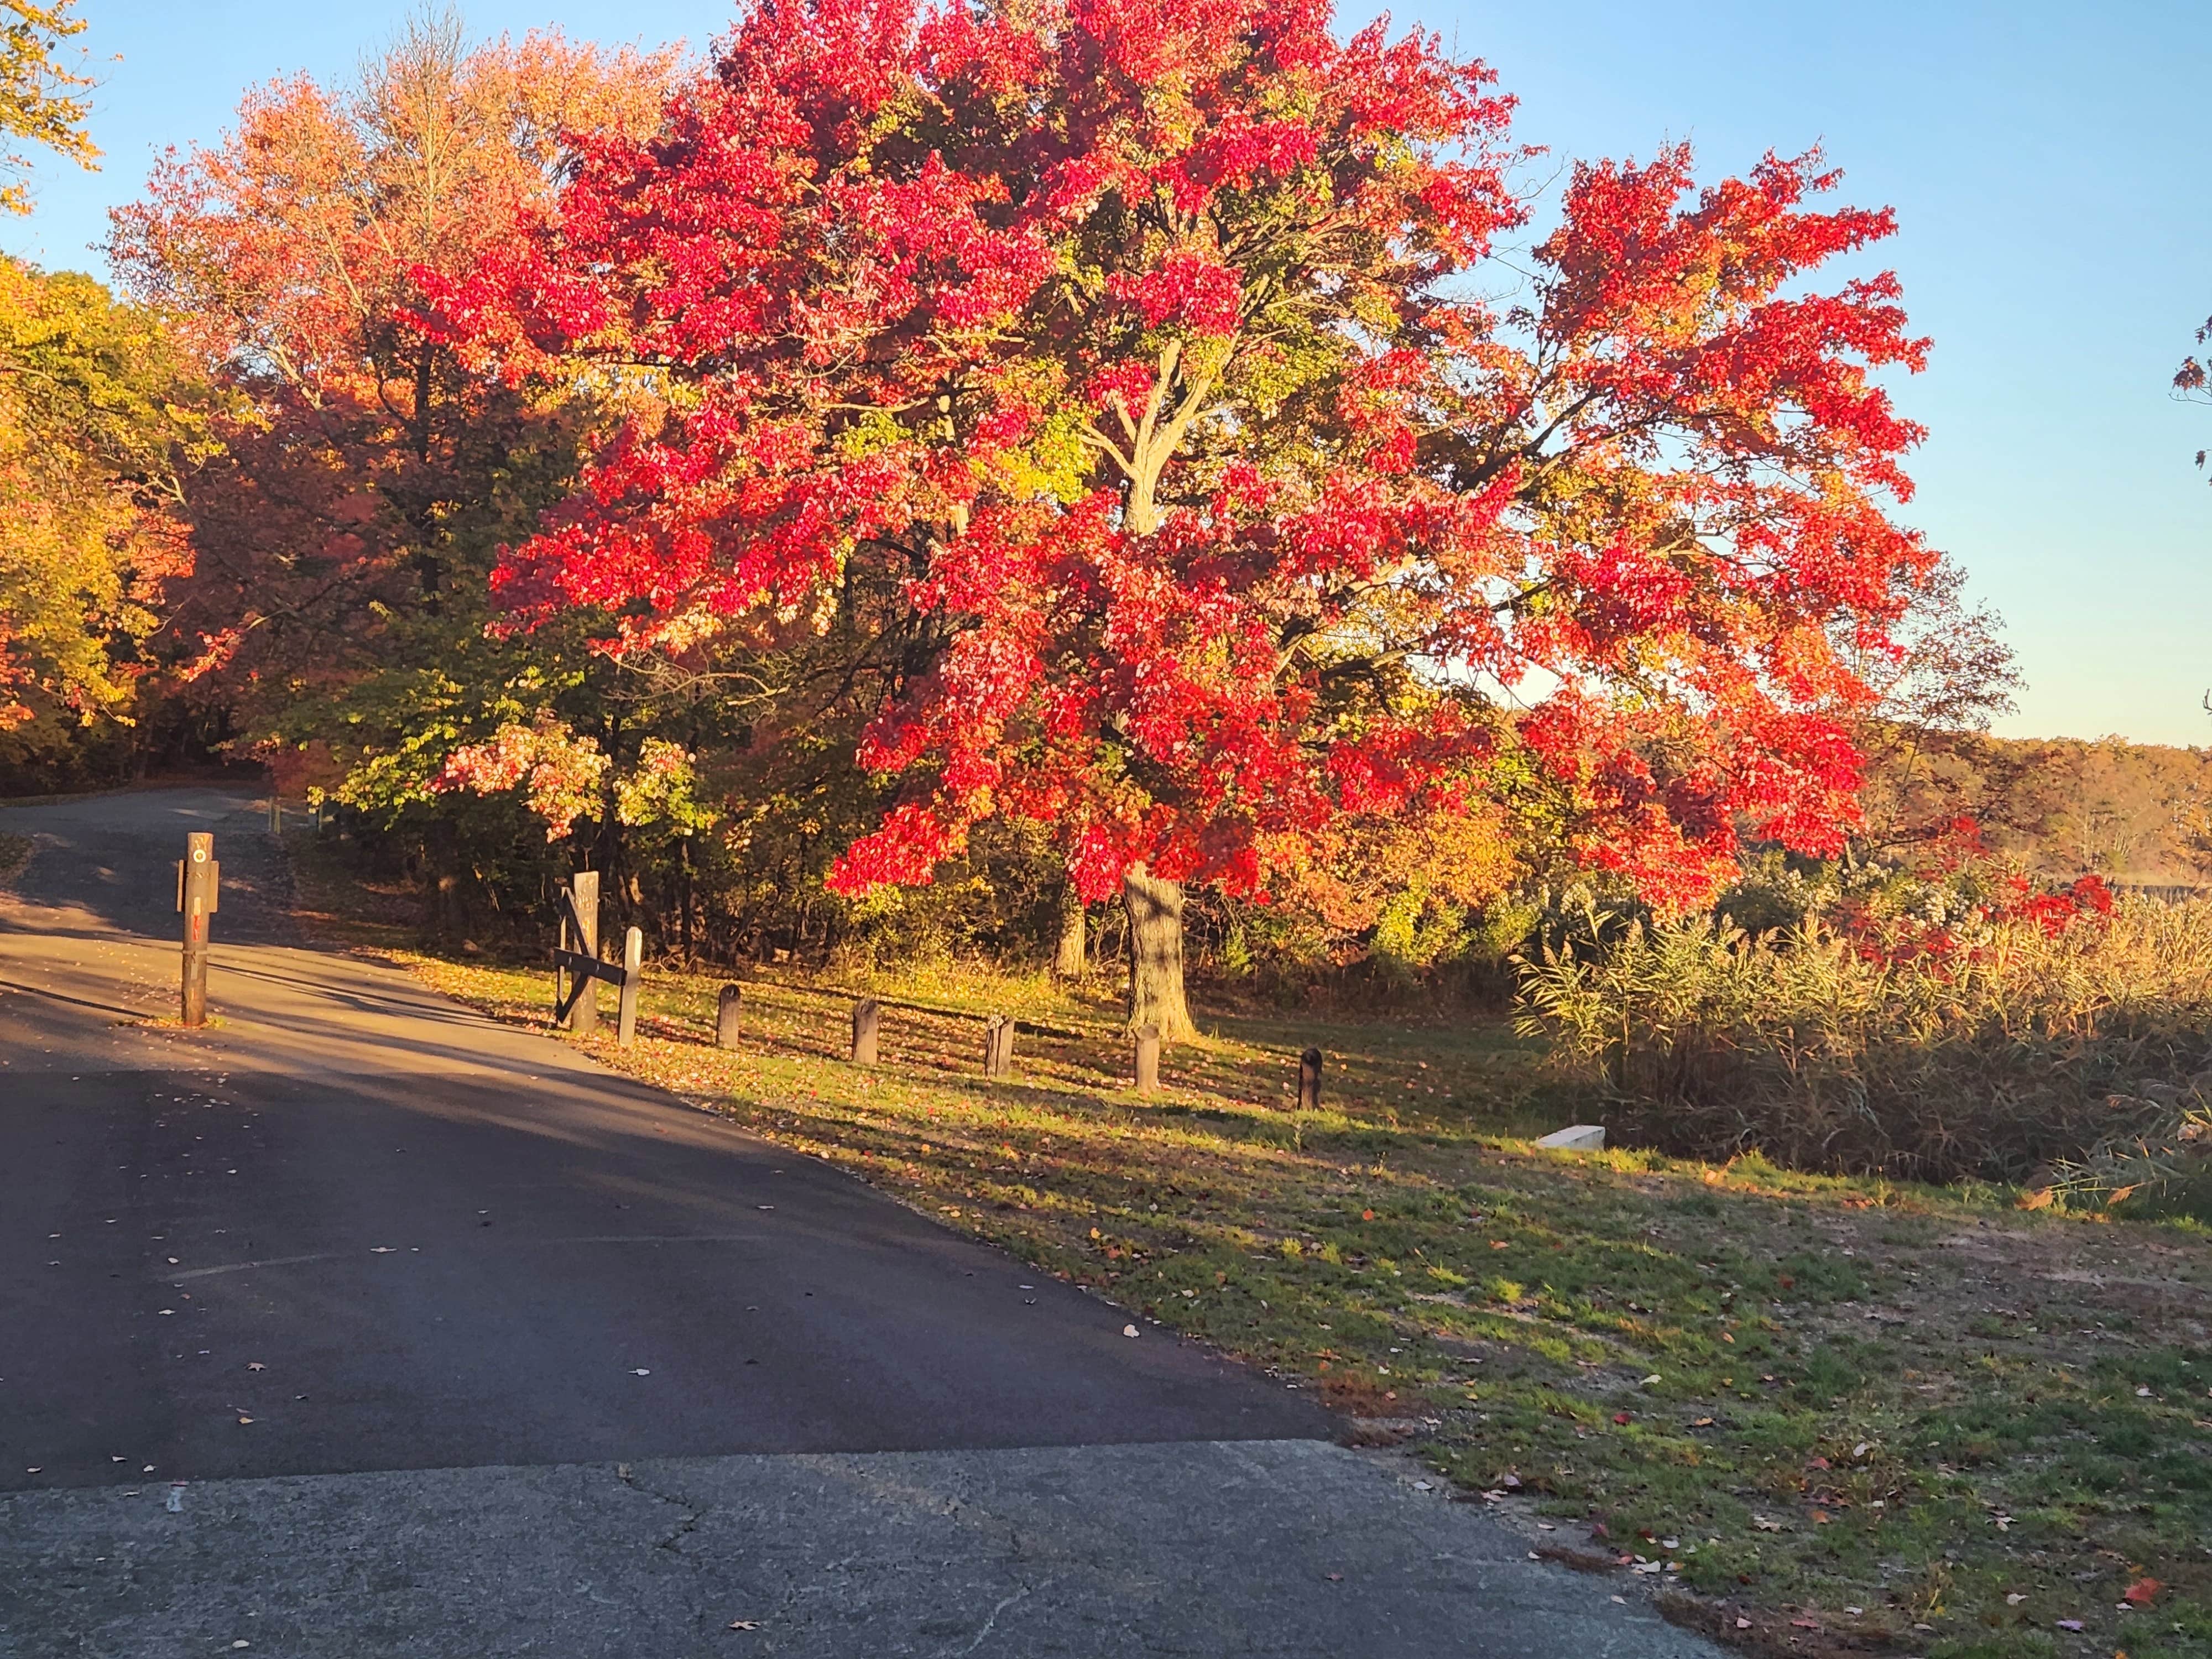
197 880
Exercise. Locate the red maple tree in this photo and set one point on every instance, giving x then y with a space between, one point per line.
1146 345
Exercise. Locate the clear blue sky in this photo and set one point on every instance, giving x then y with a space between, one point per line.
2048 163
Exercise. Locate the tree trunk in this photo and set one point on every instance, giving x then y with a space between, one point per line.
1067 960
1156 996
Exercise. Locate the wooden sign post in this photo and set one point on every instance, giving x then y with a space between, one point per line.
729 1014
198 882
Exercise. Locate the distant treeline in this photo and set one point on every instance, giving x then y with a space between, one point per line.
2137 814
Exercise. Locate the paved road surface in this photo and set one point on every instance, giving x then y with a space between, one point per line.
359 1324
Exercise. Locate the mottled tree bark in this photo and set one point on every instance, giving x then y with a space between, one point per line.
1069 959
1156 995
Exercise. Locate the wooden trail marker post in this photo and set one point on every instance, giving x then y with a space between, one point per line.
867 1015
1148 1060
198 883
998 1046
577 971
633 970
1310 1080
729 1011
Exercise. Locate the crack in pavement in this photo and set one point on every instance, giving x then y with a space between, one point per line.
694 1512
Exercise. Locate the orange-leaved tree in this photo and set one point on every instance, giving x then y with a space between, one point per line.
343 540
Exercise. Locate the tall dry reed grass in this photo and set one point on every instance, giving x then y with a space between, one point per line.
2011 1049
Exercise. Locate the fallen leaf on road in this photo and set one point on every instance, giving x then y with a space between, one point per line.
745 1624
1128 1330
244 1420
640 1372
255 1365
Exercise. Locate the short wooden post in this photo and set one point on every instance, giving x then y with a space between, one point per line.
1310 1080
865 1015
275 813
633 971
998 1046
1148 1060
584 893
199 881
729 1007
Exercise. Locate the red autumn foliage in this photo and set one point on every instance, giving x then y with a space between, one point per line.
1143 343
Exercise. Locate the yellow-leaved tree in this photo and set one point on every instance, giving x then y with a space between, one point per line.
99 418
41 102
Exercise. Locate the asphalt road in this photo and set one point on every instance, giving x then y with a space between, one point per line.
358 1323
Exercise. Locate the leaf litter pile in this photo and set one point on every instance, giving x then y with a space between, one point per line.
1813 1415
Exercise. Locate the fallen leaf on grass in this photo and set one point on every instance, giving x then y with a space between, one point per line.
1764 1524
2069 1624
2143 1591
